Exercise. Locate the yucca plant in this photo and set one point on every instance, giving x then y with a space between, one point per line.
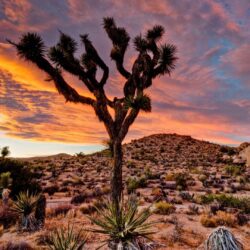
25 207
68 239
125 227
222 239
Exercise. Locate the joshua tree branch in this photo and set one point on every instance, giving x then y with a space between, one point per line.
62 86
129 120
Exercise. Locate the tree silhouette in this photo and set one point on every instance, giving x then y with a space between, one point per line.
152 60
5 152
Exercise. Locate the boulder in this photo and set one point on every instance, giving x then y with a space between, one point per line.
245 154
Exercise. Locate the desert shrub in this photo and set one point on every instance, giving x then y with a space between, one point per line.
92 207
221 239
5 180
227 150
66 239
179 178
51 189
164 208
125 227
17 173
131 164
186 196
78 199
149 175
156 192
60 209
241 203
25 206
234 170
134 183
17 246
7 217
220 219
193 209
170 177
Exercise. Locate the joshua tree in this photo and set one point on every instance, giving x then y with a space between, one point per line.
153 60
5 152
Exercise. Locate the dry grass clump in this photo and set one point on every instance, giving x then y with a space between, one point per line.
58 210
16 246
164 208
7 217
220 219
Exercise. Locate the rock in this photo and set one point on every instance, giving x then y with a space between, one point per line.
236 186
238 160
245 154
170 184
243 146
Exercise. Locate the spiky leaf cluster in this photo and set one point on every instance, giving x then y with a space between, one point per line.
141 102
124 226
62 53
25 203
167 59
118 36
68 239
30 46
155 33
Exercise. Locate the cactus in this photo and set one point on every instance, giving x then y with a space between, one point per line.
222 239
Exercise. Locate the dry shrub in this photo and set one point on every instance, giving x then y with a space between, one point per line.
58 210
16 246
7 217
164 208
220 219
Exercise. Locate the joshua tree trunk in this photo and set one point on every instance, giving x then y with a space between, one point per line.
116 180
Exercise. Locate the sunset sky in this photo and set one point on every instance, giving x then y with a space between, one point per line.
207 96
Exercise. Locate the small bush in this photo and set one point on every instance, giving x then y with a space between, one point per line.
179 178
17 246
78 199
193 209
241 203
51 189
220 219
134 183
7 217
60 209
164 208
23 178
234 170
